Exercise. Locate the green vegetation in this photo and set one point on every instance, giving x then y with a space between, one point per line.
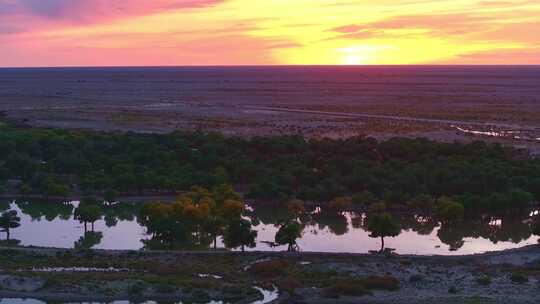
288 233
240 234
519 278
88 213
9 220
449 210
382 225
89 240
484 280
479 176
198 218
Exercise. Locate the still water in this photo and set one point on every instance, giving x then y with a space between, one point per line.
53 225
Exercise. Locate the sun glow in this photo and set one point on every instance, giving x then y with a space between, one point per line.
353 59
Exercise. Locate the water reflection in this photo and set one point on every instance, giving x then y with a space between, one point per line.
53 225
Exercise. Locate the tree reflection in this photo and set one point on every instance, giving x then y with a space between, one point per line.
336 223
88 240
48 210
421 224
496 228
450 235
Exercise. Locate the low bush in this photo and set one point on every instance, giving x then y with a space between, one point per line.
270 268
289 285
416 278
359 287
165 288
519 278
484 280
136 289
354 288
387 282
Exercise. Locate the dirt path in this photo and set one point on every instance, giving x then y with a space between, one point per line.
393 117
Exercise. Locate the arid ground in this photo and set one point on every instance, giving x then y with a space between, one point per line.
49 274
443 103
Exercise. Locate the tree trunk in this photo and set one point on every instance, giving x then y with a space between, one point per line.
85 227
92 226
243 249
215 242
382 243
7 234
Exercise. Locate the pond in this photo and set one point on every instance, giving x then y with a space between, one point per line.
52 225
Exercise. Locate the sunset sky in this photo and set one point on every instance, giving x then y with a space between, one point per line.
238 32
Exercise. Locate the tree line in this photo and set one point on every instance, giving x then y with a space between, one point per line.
479 176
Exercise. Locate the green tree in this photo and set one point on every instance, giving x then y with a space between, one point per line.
340 204
449 210
288 233
382 225
215 227
296 208
364 198
110 195
161 221
52 188
88 213
25 189
422 202
377 208
240 234
9 220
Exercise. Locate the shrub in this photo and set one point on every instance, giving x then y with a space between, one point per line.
290 285
387 282
164 288
270 268
519 278
136 289
416 278
51 282
353 288
484 280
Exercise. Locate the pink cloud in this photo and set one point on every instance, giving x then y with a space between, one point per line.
351 28
23 12
500 56
71 9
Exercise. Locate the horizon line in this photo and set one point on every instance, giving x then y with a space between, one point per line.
268 65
